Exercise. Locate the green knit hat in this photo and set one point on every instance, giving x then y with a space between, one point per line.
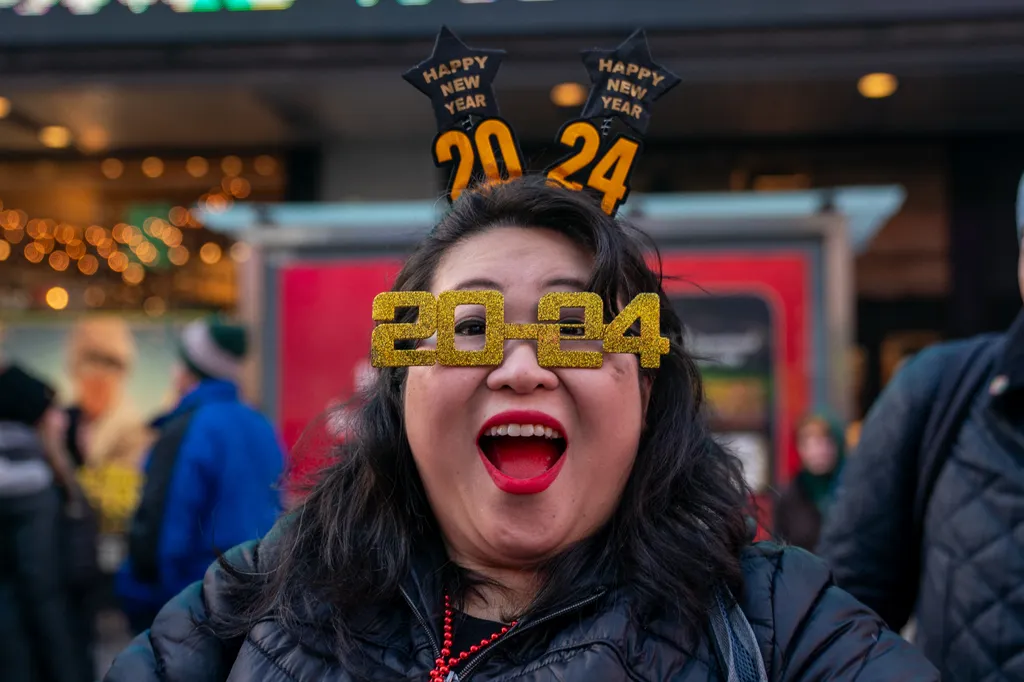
214 349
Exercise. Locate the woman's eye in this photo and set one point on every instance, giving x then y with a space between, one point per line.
471 327
573 331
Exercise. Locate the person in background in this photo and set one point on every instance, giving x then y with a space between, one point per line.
104 435
105 439
929 514
38 638
805 503
211 476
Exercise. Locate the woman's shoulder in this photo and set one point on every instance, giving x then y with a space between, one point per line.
781 584
804 622
765 563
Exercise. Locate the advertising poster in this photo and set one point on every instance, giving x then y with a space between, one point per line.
324 338
114 374
731 337
748 314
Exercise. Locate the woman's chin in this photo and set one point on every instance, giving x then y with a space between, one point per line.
526 541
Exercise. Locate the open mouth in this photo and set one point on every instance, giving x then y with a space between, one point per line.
523 451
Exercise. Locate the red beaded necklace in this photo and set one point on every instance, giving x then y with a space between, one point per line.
442 667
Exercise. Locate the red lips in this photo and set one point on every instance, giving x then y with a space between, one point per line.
522 465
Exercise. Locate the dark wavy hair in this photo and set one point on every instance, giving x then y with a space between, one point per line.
678 531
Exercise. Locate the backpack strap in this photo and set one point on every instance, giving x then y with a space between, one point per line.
962 378
738 653
147 524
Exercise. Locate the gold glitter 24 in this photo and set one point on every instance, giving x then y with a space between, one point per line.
636 330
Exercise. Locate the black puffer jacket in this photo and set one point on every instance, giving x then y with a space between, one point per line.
968 586
807 629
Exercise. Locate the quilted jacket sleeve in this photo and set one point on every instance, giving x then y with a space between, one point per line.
816 631
175 649
868 538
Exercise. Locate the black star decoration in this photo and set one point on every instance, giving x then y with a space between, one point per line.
626 81
458 79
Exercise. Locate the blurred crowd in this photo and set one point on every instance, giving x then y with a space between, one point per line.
104 513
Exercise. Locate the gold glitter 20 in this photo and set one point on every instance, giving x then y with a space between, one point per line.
437 315
494 340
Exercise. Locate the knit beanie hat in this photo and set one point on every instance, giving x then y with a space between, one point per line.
213 349
23 398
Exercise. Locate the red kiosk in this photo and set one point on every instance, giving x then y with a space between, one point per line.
763 283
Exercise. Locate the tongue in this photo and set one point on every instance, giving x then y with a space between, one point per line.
522 458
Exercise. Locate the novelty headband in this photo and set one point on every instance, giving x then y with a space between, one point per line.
482 148
473 138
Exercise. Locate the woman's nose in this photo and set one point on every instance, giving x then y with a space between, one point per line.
520 371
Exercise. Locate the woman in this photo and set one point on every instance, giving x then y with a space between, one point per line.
414 558
802 508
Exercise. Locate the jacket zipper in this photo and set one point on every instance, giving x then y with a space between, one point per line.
473 663
423 623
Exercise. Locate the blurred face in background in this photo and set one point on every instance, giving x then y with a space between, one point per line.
99 381
101 351
817 448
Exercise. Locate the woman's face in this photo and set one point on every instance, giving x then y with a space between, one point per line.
505 501
817 448
98 388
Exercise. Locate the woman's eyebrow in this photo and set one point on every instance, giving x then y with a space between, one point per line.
577 284
478 283
489 284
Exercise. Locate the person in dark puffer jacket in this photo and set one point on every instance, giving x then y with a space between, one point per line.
956 562
523 522
37 640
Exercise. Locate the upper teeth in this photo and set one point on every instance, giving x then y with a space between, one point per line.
523 430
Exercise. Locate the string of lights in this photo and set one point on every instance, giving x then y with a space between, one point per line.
47 233
130 250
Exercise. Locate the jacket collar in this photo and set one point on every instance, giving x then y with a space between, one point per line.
424 587
206 392
422 582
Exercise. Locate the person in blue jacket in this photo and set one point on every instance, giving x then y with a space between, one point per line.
212 475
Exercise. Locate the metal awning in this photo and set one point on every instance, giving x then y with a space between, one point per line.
865 211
